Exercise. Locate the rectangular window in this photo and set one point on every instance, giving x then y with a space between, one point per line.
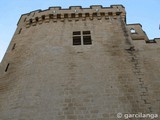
87 40
94 14
86 32
73 15
51 16
65 15
43 17
58 16
76 33
82 38
77 40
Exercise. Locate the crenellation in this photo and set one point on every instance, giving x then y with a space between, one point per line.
74 12
70 17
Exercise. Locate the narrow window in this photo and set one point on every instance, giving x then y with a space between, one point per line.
14 45
80 15
65 15
7 67
20 30
58 16
94 14
30 21
110 13
76 33
132 30
36 19
102 14
73 15
77 40
87 14
43 17
87 40
51 16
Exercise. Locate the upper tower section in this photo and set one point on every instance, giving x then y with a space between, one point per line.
73 13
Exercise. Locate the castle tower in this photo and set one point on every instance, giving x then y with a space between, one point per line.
79 64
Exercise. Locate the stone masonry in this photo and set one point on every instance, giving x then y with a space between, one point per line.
79 64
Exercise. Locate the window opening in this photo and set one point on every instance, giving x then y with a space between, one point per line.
87 14
133 30
94 14
80 14
72 15
86 32
102 14
30 21
65 15
43 17
58 16
20 30
77 40
14 45
84 38
36 19
7 67
110 13
51 16
76 33
87 40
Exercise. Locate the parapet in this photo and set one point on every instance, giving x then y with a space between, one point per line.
72 13
137 32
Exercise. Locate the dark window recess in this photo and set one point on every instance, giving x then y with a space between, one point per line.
87 14
94 14
30 21
80 14
14 45
102 14
51 16
87 40
36 19
76 33
7 67
65 15
86 32
77 40
73 15
118 13
110 13
58 16
20 30
43 17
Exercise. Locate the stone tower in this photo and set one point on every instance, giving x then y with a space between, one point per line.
79 64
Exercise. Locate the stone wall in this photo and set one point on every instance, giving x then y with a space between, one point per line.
49 78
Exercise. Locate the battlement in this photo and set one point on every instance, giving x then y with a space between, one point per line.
72 13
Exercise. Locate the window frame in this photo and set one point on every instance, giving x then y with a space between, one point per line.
84 37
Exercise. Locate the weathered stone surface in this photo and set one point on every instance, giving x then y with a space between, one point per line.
49 78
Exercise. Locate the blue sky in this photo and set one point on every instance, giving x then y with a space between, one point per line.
145 12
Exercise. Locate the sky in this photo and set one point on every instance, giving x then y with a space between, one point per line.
145 12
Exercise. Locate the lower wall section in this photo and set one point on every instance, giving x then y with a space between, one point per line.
76 84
